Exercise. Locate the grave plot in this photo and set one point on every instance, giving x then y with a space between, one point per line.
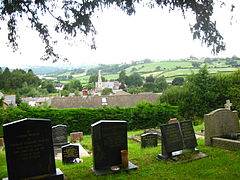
29 150
178 138
109 143
222 129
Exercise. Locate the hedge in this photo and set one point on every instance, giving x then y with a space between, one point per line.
142 116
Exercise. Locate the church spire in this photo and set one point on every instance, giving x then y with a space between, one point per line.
99 84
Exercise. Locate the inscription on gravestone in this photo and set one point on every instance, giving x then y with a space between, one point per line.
189 139
149 140
29 149
108 139
176 137
69 153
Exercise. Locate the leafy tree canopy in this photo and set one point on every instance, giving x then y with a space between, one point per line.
107 91
74 17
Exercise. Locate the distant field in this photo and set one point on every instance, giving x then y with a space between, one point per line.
166 65
170 69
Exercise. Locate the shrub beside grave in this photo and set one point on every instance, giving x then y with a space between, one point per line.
144 115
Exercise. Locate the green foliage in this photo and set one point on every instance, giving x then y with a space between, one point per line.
161 83
144 115
107 91
134 80
134 90
149 87
150 78
203 93
123 77
31 91
94 78
75 84
17 79
49 85
178 81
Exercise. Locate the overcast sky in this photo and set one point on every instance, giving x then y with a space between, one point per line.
150 33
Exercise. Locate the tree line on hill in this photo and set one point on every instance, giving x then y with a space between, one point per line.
203 92
114 68
27 84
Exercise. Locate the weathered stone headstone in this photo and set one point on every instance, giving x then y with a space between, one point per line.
29 150
76 137
221 124
108 139
177 137
149 140
59 135
69 153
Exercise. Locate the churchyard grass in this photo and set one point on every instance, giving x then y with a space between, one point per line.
220 164
198 127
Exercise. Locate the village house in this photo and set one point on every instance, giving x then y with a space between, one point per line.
38 101
8 100
125 100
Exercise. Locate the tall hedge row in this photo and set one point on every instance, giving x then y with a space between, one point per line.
144 115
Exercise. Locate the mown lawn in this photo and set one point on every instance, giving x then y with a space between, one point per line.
220 164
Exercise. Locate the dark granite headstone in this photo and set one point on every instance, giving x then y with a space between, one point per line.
69 153
59 135
177 137
149 140
29 150
189 138
108 139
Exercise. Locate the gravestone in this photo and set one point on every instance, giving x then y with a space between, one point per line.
29 150
173 120
228 104
59 135
69 153
108 139
149 140
76 137
177 137
220 125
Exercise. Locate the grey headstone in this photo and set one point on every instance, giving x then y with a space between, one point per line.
220 122
149 140
29 150
59 135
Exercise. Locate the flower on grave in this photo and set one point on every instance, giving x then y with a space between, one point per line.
77 160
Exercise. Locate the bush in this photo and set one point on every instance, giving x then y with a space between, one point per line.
144 115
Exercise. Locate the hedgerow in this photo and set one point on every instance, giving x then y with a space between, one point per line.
142 116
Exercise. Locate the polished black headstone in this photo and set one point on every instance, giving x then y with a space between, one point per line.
59 135
108 139
177 137
69 153
189 138
29 149
149 140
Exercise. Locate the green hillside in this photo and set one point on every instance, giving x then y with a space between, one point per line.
169 69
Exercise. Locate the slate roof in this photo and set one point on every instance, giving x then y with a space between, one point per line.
10 100
97 101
